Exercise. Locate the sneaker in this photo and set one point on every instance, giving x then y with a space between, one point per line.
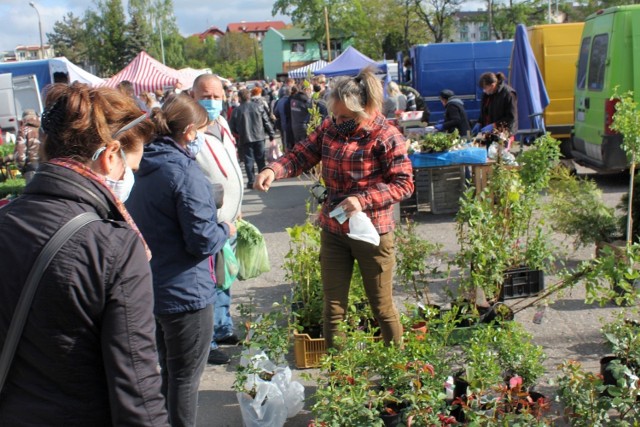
250 186
217 357
229 340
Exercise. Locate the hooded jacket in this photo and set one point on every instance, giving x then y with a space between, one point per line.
27 150
455 117
172 205
87 356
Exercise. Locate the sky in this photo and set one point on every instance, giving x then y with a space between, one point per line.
20 26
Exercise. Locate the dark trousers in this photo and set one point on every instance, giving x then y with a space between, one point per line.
183 346
253 154
337 255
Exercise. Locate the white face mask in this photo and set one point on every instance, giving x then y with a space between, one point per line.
121 188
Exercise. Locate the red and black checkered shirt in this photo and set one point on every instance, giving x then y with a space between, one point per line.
372 165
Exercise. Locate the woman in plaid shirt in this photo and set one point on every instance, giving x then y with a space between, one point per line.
365 169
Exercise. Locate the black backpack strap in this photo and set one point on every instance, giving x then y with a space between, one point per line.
43 260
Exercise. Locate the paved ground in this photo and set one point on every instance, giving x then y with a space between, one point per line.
570 329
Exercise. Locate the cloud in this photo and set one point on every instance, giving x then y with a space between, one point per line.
192 16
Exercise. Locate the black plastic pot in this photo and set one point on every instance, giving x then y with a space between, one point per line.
395 418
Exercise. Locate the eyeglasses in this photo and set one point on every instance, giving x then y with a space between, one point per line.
129 125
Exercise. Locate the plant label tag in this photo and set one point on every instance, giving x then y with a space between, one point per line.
537 318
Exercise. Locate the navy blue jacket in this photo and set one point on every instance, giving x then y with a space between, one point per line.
172 205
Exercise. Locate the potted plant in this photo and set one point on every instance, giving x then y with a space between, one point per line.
414 255
497 229
626 120
576 209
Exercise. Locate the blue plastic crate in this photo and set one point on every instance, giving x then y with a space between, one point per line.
472 155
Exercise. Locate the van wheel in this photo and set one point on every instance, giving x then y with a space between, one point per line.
565 148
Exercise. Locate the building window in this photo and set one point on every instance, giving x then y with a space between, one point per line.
298 47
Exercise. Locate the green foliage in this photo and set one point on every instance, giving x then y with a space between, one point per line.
69 38
413 255
497 229
7 149
576 209
13 186
623 336
437 15
439 141
363 376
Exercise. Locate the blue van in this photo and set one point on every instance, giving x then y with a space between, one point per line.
457 66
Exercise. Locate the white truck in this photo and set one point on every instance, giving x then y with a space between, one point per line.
17 93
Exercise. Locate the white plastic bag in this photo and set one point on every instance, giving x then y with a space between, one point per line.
267 409
292 391
361 228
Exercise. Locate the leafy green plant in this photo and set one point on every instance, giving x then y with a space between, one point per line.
413 254
302 269
436 142
576 209
6 149
497 229
626 120
589 402
12 186
623 336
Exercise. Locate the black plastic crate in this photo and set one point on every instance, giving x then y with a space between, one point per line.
521 283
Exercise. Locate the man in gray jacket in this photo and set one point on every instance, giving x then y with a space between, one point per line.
218 159
250 121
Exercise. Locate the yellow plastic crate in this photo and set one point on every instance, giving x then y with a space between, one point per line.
308 351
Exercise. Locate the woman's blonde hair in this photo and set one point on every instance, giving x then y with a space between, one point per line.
361 94
393 89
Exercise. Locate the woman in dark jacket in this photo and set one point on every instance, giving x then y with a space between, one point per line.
87 355
175 210
499 105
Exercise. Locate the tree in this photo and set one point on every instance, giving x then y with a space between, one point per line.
346 17
437 15
69 38
235 47
106 36
507 16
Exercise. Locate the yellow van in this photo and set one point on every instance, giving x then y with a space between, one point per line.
556 48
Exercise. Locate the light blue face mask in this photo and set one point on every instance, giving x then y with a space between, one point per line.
213 107
195 145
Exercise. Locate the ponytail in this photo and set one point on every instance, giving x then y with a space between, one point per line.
361 94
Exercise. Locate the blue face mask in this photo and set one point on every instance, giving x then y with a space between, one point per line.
195 145
213 107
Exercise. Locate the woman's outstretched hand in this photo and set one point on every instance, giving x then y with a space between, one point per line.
264 179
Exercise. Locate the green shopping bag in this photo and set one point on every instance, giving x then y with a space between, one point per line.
251 251
226 266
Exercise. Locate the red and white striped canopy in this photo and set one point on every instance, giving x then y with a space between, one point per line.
147 74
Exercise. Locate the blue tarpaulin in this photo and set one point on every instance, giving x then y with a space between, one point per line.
525 78
349 63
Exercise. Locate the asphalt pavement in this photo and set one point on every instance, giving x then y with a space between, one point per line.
570 329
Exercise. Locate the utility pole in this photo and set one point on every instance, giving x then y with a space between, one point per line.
326 26
39 28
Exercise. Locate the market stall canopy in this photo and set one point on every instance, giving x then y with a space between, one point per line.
526 79
349 63
303 72
43 69
147 75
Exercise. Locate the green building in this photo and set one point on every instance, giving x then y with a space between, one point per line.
285 50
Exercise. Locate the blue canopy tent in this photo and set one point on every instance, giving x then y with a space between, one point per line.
349 63
525 78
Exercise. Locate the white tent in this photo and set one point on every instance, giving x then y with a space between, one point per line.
303 72
75 73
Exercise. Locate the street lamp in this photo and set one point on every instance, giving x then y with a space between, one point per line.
40 28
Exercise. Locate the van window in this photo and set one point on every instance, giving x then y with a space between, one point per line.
581 77
597 61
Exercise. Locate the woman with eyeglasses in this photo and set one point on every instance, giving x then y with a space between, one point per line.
176 212
87 355
365 169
